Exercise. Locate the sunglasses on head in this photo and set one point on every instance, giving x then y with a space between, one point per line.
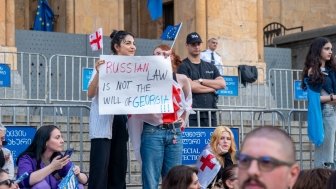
7 182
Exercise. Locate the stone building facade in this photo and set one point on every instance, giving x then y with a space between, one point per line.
310 14
236 24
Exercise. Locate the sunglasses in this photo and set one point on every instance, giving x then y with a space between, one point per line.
7 182
265 163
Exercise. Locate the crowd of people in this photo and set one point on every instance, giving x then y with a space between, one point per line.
266 158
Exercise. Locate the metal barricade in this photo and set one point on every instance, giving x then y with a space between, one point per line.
245 119
253 95
73 121
298 132
65 82
28 77
73 126
281 83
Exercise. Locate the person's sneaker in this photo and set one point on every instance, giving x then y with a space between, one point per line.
329 165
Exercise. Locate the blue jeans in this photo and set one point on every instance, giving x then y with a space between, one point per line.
325 153
159 153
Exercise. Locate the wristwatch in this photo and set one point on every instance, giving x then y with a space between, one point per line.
200 80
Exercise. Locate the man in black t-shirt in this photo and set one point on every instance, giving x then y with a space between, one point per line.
204 78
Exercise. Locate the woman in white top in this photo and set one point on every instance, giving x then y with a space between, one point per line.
108 134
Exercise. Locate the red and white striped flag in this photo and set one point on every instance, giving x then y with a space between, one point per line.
96 40
208 167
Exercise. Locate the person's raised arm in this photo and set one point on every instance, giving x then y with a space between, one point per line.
94 82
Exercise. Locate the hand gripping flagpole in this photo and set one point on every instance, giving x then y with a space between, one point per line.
102 53
178 31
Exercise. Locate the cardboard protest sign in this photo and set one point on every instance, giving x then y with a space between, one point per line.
135 85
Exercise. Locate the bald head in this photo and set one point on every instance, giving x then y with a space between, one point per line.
276 135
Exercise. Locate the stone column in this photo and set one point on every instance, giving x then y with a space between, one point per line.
260 34
3 22
200 19
10 23
70 16
121 14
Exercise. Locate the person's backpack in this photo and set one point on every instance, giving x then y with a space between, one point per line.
248 74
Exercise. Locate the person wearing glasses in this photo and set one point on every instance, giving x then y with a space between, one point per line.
204 78
230 177
217 156
6 182
267 160
210 55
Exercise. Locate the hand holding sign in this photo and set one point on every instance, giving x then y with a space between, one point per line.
98 63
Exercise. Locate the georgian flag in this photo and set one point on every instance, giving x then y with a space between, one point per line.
208 167
96 40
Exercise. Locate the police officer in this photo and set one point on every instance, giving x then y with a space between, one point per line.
211 56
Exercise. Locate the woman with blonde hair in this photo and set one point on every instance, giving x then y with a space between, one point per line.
218 155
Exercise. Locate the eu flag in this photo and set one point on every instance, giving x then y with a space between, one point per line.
154 8
44 17
170 32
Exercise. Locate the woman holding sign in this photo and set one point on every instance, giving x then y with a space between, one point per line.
161 140
44 163
108 134
218 155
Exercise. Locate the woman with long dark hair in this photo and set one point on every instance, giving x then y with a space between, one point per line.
108 134
181 177
43 161
319 77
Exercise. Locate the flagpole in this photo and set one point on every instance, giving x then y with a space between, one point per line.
178 31
102 42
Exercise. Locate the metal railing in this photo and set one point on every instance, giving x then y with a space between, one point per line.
243 118
28 77
276 29
253 95
65 81
71 119
281 83
298 133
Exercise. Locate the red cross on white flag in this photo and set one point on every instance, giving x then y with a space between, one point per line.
96 40
208 167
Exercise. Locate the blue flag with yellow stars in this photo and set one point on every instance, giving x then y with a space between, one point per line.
44 18
170 32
